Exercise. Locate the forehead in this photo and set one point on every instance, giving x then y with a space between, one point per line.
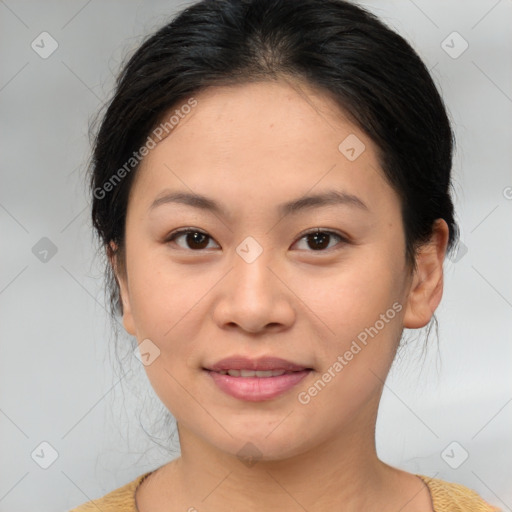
264 141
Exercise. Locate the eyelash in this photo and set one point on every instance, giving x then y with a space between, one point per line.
342 239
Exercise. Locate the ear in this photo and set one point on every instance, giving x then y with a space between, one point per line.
427 283
122 282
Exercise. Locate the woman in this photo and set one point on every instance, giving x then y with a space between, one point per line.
271 183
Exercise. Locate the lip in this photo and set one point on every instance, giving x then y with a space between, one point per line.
256 389
261 363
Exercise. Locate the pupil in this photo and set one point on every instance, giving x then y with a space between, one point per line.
316 237
195 240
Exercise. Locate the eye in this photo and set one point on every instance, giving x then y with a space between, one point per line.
197 240
194 238
319 240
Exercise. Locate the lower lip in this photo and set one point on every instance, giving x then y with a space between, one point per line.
257 389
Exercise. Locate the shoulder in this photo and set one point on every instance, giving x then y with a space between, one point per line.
121 499
453 497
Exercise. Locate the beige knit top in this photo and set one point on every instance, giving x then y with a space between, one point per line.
446 497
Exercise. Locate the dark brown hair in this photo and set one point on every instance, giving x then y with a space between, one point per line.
371 71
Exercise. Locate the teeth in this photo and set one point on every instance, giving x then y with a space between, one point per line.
253 373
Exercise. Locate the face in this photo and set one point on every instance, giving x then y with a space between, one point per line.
321 283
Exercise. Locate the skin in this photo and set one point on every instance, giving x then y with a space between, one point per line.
252 147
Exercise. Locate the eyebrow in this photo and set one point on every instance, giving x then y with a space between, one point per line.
328 198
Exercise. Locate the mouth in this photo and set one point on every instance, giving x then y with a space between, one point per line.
256 373
262 364
256 379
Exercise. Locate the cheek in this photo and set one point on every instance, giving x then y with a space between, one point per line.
362 307
160 293
354 296
169 306
165 307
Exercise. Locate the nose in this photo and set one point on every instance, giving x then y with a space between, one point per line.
254 298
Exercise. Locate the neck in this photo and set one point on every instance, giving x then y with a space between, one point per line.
343 471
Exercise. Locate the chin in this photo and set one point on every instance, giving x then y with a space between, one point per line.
262 444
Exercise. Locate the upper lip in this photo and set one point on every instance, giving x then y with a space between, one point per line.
262 363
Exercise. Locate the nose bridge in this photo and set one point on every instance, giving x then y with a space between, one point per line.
251 273
253 297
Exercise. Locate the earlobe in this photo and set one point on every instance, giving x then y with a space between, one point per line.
121 280
426 288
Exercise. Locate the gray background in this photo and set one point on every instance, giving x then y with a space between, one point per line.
60 382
